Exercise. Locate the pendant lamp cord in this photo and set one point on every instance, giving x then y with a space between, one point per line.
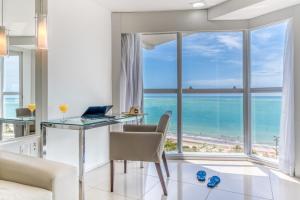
2 16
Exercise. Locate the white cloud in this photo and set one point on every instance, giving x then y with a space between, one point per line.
219 83
230 41
268 72
263 36
206 50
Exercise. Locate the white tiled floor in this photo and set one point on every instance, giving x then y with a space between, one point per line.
239 181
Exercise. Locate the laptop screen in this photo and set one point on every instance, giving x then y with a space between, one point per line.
96 111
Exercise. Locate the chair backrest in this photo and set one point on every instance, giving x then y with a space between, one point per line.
23 112
163 124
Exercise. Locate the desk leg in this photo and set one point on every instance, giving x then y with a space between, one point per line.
138 122
43 143
27 129
81 164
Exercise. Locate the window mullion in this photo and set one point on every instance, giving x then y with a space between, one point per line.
179 92
247 93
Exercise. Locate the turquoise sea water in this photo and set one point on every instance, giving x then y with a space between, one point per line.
218 116
11 103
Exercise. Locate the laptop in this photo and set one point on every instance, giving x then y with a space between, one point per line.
96 112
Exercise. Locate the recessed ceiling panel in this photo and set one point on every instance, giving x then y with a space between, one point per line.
154 5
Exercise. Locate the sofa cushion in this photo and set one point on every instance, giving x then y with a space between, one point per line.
16 191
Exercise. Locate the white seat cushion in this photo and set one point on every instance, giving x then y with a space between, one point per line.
16 191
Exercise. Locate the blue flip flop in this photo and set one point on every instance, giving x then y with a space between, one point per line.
201 175
213 181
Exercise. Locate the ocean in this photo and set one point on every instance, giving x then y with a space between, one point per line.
218 116
215 116
10 104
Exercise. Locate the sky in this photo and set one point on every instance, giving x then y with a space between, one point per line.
11 74
215 60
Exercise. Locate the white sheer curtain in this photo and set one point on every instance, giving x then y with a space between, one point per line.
287 134
131 78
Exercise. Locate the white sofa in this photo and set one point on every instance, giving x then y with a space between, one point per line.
28 178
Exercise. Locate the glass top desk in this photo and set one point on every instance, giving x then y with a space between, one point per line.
25 122
81 125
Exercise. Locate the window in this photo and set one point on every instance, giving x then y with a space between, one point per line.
212 60
215 109
212 103
160 61
213 123
267 50
160 81
11 87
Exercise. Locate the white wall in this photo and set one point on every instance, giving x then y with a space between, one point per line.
79 74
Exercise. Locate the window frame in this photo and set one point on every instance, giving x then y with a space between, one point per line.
246 92
20 93
255 90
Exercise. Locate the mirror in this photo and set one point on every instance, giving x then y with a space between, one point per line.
17 71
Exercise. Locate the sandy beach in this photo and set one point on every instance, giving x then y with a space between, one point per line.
217 145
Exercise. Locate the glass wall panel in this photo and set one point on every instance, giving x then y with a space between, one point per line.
267 49
212 60
267 52
213 123
10 104
155 105
265 114
160 72
160 61
11 82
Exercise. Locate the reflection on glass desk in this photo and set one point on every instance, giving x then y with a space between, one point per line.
16 127
80 125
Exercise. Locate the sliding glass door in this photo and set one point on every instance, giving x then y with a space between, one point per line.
222 102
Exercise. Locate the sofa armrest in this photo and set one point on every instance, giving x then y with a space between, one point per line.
143 146
139 128
59 178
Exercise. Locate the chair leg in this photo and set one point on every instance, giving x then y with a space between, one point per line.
161 178
125 166
165 163
111 175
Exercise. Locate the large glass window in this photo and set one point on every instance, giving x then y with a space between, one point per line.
212 69
267 51
11 88
10 94
214 110
213 123
265 117
160 61
160 77
212 60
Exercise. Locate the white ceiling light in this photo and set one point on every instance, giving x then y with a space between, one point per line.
198 4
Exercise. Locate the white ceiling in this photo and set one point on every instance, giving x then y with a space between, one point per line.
153 5
258 9
19 14
19 17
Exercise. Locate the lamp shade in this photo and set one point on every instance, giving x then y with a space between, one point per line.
3 41
42 34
